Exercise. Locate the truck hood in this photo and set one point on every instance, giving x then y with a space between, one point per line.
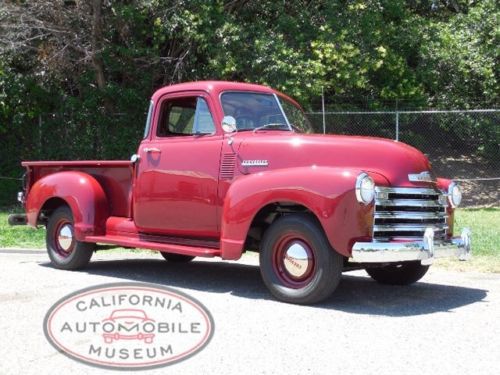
391 159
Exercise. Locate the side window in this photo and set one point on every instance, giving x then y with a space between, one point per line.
203 121
185 116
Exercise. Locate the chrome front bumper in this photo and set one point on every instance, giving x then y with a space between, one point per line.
425 250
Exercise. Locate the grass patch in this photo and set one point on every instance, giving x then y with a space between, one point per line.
20 236
484 224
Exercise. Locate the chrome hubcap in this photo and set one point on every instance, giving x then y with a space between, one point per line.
65 237
297 260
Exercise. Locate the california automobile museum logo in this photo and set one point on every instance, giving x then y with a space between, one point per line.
128 326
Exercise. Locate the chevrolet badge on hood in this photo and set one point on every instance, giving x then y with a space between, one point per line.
254 163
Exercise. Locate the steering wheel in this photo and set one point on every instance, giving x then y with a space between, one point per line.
245 122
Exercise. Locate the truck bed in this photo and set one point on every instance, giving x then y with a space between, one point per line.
115 176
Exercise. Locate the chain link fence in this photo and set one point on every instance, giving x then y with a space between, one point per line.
462 145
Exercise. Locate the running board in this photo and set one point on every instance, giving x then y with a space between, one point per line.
150 245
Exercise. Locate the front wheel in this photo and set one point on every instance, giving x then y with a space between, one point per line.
65 252
400 274
297 263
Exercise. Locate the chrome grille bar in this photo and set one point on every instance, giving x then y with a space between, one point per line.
408 203
407 228
398 190
410 215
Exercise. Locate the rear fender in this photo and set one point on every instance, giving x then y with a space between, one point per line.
81 192
327 192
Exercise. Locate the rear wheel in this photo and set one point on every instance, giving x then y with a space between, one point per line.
297 263
179 258
65 252
400 274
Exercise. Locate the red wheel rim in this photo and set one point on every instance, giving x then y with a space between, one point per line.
294 261
64 238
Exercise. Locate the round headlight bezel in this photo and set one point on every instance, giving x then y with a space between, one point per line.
454 194
365 189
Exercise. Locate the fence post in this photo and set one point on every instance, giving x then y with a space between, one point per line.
397 125
323 108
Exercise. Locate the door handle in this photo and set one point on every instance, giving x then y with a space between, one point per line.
152 149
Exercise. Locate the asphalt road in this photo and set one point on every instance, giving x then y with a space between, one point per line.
447 324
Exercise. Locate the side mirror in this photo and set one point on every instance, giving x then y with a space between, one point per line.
229 124
134 158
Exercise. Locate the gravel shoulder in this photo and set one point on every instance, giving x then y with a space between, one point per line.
446 323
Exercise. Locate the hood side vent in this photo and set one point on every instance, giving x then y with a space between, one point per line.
227 166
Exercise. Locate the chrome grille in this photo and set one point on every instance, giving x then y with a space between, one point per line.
405 213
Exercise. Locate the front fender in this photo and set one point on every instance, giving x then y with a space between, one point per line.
327 192
83 194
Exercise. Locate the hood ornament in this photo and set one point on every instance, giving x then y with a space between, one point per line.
420 177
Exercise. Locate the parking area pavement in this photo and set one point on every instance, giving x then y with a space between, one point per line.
449 323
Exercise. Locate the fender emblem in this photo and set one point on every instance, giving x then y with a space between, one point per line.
254 163
420 177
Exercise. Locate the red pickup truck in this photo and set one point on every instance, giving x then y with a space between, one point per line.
226 167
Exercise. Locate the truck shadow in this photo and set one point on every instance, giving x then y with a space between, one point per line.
355 294
362 295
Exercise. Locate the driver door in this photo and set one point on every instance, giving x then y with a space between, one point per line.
177 181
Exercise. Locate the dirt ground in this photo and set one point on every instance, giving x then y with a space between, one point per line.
470 172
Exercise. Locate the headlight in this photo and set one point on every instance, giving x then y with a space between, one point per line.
454 194
365 188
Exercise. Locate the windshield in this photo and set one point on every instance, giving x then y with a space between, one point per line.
296 118
254 110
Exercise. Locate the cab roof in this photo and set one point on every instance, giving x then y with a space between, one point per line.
215 88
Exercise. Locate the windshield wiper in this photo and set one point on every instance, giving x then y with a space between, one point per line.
272 125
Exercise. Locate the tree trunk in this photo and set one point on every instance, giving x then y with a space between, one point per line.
97 62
